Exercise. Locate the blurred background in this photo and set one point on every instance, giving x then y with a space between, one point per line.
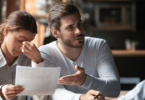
120 22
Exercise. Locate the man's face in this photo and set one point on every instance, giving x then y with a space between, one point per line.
71 34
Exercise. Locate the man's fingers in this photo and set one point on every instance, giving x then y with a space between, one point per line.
96 95
70 79
100 97
67 77
93 92
67 83
79 68
75 79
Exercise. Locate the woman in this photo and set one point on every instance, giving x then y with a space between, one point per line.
16 33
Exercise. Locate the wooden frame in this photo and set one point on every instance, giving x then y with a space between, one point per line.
11 6
22 5
108 0
123 25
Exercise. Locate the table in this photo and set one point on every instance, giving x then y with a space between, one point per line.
128 52
123 92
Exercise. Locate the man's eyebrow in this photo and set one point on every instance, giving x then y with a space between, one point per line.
74 23
70 25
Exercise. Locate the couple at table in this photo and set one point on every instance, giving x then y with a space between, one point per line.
87 64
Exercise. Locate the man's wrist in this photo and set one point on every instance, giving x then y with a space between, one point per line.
84 79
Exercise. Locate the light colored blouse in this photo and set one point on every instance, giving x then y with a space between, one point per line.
7 73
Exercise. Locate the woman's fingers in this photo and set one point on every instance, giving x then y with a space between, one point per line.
31 44
15 87
26 47
13 91
31 51
10 91
11 95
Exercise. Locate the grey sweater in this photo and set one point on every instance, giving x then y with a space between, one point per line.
97 60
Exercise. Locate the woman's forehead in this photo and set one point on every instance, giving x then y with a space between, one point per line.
27 35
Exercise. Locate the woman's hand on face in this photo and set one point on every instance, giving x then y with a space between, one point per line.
31 51
9 91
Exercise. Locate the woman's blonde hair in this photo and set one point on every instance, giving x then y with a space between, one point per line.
18 20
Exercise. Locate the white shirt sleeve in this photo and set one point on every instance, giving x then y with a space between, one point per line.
108 81
47 61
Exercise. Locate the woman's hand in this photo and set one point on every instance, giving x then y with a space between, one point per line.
31 51
9 91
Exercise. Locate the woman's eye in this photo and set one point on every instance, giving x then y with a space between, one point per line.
20 41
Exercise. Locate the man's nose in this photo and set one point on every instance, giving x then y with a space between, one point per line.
77 31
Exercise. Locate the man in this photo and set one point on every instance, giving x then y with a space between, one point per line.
86 63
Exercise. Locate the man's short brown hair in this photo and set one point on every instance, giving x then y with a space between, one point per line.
59 10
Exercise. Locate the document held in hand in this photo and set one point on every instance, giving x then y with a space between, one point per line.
38 80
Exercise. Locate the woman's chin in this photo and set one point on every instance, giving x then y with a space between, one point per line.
15 54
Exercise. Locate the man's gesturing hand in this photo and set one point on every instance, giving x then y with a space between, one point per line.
76 79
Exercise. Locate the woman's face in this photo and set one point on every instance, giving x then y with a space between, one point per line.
14 40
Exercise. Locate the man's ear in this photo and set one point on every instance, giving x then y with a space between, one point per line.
55 32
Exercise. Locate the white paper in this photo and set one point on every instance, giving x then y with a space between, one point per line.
38 80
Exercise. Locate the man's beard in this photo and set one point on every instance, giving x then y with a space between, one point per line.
69 42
